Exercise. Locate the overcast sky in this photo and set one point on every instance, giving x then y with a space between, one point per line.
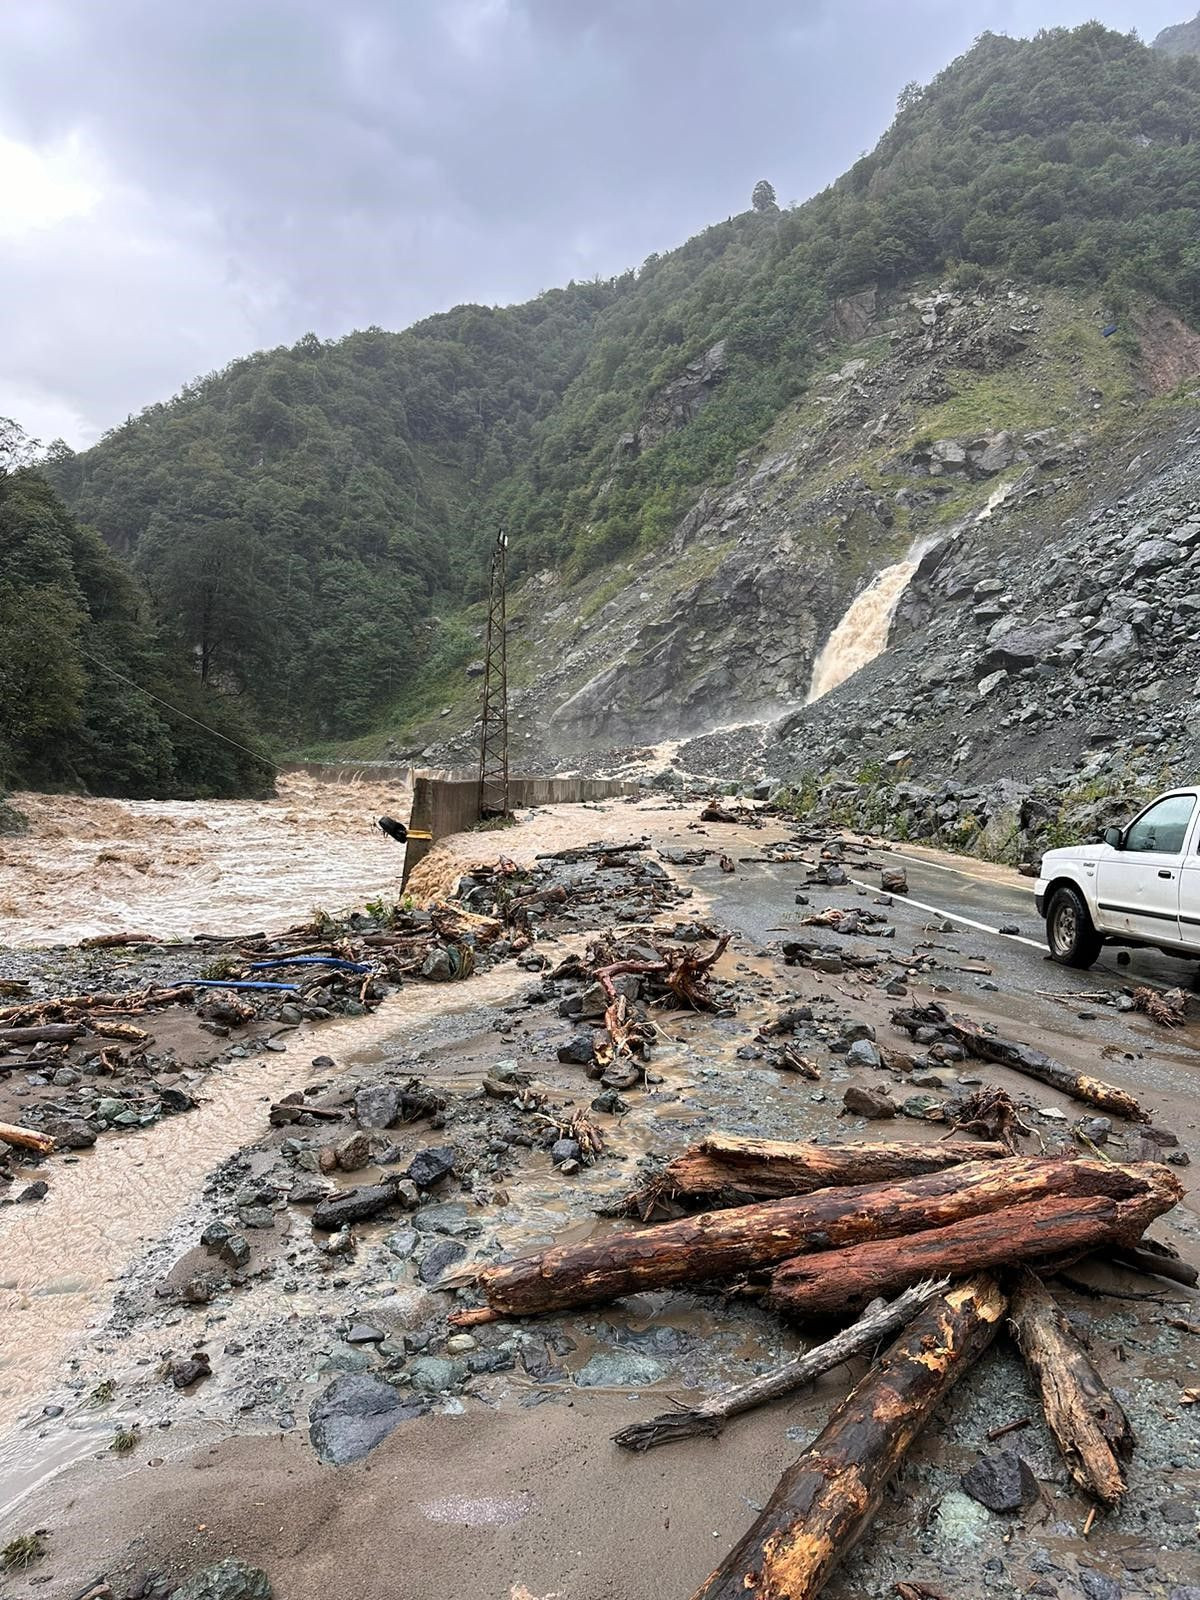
184 181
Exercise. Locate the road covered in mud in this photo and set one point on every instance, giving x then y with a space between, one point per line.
257 1329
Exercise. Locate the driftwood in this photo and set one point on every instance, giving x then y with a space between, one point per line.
878 1321
1089 1425
681 974
762 1169
1021 1058
26 1139
109 941
124 1031
1156 1264
1059 1228
718 1244
75 1008
824 1502
48 1033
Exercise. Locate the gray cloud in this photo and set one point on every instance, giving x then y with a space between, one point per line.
254 171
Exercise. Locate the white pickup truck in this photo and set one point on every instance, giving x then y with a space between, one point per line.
1141 886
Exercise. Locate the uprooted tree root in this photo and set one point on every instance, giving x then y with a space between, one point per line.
1168 1008
991 1113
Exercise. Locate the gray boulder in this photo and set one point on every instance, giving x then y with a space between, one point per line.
619 1369
1153 554
377 1105
226 1580
353 1415
1023 646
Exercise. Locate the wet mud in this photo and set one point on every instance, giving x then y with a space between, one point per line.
506 1486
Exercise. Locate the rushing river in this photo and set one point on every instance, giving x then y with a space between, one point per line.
174 868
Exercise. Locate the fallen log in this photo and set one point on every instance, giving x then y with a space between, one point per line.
26 1139
110 941
718 1244
1058 1228
824 1502
1021 1058
1086 1420
878 1321
1153 1264
762 1169
48 1033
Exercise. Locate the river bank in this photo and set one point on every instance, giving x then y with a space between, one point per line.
501 1482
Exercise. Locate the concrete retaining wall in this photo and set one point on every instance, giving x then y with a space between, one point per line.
445 806
398 772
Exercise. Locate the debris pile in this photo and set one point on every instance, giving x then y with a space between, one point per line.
106 1057
960 1236
617 981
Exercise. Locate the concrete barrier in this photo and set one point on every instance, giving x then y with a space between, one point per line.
444 806
397 772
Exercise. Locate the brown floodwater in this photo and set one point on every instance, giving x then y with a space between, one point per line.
177 867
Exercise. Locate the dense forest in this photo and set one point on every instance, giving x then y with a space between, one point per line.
87 672
298 520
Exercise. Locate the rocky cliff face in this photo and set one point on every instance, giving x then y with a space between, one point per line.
1181 40
1044 669
976 423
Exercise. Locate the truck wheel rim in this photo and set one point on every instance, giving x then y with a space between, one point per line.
1065 926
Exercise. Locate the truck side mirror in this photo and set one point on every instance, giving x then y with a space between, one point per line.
1114 837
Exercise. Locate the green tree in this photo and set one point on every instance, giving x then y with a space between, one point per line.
763 198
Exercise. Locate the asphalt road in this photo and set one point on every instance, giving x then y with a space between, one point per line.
974 900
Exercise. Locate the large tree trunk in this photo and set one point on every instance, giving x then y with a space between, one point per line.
765 1169
717 1244
1084 1417
26 1139
825 1501
48 1033
1022 1058
879 1321
1061 1227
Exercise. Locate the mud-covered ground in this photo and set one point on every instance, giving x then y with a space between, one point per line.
500 1482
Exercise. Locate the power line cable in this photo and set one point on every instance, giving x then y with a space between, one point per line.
216 732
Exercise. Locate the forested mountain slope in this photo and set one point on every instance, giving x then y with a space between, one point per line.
82 655
302 516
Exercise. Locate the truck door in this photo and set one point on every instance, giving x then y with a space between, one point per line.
1138 886
1189 891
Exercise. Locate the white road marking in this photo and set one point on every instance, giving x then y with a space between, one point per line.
959 872
954 916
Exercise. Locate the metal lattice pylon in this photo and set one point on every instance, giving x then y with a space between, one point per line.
493 733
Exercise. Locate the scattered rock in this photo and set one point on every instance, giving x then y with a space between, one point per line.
619 1369
354 1414
226 1580
875 1104
1002 1481
431 1166
191 1370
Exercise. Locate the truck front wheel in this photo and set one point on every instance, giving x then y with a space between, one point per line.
1070 933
